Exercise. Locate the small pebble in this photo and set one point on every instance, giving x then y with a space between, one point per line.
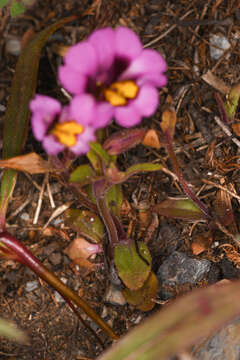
2 108
59 299
218 45
104 312
13 46
55 258
31 285
114 296
25 216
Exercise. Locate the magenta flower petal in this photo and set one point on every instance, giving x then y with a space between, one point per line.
159 81
72 80
149 62
103 41
51 145
128 44
104 114
83 109
147 100
127 116
44 110
82 57
82 146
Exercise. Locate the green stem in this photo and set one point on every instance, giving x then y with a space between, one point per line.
179 174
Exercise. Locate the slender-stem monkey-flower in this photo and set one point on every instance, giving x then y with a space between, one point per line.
60 127
121 77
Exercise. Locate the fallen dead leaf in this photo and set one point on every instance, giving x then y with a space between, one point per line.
31 163
151 139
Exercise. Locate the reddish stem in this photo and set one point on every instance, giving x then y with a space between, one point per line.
24 256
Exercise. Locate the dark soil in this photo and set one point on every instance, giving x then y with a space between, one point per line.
180 30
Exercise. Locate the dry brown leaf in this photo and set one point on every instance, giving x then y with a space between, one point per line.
151 139
236 128
80 250
31 163
168 122
201 243
216 83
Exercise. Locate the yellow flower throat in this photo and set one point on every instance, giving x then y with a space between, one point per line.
67 132
120 92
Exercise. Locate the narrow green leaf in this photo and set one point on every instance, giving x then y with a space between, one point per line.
135 169
118 177
232 101
82 175
17 115
16 9
3 3
132 269
179 209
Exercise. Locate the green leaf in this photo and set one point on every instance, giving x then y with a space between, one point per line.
16 8
132 269
99 150
82 174
87 223
135 169
232 101
143 297
114 199
179 209
17 115
3 3
118 177
11 332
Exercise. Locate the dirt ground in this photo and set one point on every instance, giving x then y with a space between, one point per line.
181 32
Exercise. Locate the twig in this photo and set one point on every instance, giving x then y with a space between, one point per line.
40 199
154 41
226 130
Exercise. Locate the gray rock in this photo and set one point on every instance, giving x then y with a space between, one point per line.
179 270
224 345
218 45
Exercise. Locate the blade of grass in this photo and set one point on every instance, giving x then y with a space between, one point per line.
17 115
180 324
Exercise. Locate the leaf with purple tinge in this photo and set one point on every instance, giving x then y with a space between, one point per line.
130 264
179 209
118 177
17 115
143 298
123 140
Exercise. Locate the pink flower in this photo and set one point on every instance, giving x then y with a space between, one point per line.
120 76
60 127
